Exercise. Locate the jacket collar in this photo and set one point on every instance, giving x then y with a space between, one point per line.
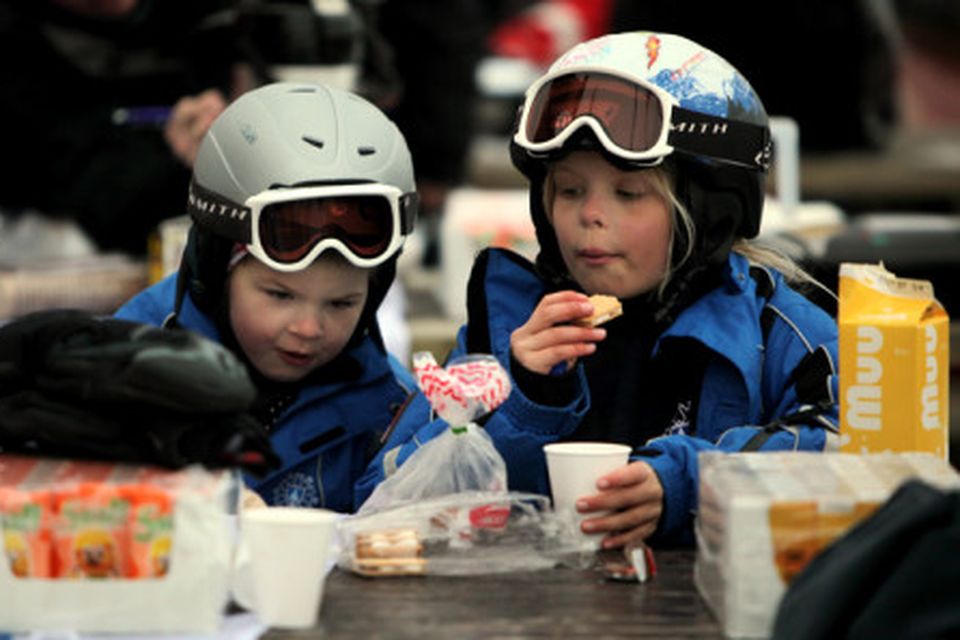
725 320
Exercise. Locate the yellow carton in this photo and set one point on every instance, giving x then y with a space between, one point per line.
894 363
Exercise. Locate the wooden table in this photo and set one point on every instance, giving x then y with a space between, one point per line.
559 603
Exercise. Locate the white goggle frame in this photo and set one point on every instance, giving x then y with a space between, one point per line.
258 202
652 156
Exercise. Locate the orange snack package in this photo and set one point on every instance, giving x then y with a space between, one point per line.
90 534
150 524
27 538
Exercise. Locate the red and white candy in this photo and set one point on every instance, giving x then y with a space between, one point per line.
467 388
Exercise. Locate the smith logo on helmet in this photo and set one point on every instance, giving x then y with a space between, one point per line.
204 205
705 128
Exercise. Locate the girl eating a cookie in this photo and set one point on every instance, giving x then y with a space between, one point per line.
646 155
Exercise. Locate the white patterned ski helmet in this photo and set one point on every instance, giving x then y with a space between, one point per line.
643 98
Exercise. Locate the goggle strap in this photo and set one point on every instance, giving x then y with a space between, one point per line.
741 143
409 205
220 215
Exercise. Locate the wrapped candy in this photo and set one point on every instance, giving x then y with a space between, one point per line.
468 388
462 458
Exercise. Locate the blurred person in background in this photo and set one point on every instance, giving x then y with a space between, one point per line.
82 80
930 63
105 103
415 59
540 31
434 49
847 50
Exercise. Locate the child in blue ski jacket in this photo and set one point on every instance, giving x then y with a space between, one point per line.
646 155
301 198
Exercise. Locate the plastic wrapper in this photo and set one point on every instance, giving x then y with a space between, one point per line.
466 389
467 533
763 517
447 510
463 457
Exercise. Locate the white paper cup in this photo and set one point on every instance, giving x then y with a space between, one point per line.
574 468
289 548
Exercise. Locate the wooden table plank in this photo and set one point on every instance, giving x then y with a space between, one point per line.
566 603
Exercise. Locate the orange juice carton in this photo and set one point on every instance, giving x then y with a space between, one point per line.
763 516
894 363
113 548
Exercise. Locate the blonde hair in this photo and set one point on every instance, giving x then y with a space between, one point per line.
756 252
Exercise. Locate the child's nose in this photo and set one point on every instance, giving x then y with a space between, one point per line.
307 324
592 212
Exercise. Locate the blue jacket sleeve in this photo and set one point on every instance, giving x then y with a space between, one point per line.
674 459
152 305
519 428
790 422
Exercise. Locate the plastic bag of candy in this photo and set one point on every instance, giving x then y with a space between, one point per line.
462 458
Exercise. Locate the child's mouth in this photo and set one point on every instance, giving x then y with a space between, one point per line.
296 359
595 257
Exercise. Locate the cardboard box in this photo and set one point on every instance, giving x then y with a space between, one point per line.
99 283
109 548
763 516
474 219
165 247
894 363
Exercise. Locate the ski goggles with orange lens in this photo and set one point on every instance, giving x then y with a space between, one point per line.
287 229
634 120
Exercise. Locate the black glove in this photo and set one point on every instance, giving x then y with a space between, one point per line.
75 385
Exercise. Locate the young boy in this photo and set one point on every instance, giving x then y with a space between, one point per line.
646 155
301 199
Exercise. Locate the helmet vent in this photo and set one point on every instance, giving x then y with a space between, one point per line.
313 141
366 151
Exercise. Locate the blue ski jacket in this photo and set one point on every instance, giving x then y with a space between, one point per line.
327 436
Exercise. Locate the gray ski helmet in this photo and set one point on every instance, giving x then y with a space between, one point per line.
279 136
717 141
287 135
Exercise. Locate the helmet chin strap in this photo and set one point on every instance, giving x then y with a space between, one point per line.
724 205
203 271
723 202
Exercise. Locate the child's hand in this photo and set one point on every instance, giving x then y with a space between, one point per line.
191 117
635 495
251 500
547 339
